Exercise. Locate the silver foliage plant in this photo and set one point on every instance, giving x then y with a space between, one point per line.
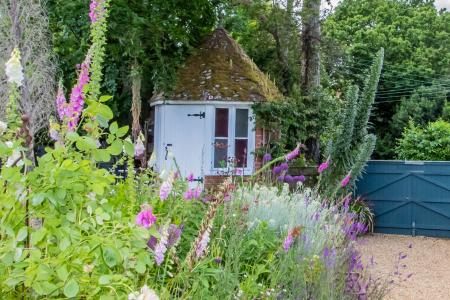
24 24
284 210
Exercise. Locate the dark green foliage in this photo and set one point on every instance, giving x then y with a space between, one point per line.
156 34
425 105
431 142
295 119
416 38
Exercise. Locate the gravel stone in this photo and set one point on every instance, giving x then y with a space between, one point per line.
428 259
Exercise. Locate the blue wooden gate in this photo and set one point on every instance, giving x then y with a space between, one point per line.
408 197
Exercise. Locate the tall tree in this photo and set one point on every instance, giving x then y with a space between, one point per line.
416 38
310 75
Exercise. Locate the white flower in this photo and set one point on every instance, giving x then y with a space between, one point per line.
3 127
152 161
139 147
146 294
14 70
14 159
9 144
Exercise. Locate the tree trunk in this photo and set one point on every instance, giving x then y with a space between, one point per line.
310 79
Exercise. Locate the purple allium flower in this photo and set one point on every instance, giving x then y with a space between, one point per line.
300 178
346 180
277 170
190 177
161 247
293 154
284 166
288 241
288 179
203 244
165 189
280 178
146 218
323 166
266 158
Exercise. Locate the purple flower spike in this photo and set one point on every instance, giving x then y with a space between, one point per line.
296 152
174 234
323 166
288 241
266 158
346 180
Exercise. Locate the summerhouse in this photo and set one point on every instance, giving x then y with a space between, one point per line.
205 124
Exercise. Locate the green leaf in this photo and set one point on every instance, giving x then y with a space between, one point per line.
37 199
116 147
105 98
71 288
62 273
64 244
122 131
22 234
38 236
113 128
72 136
129 148
104 279
111 256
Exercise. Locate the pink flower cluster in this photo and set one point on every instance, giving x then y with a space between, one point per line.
96 10
346 180
296 152
146 218
323 166
72 110
165 189
192 193
201 247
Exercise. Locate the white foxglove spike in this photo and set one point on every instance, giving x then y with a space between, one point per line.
14 70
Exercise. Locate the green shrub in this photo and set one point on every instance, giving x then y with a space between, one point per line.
430 143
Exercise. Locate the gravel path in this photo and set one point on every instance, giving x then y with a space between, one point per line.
427 259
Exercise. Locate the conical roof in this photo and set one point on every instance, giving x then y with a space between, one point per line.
221 71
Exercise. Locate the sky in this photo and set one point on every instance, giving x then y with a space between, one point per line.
439 3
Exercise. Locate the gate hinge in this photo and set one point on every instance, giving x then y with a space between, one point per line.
202 115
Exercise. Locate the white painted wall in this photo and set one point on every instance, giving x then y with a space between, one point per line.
191 139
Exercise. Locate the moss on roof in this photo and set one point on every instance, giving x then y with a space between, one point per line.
220 70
